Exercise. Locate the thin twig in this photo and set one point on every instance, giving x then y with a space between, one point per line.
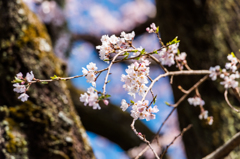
132 58
141 153
226 98
175 106
159 63
151 89
143 138
186 65
109 67
171 80
184 130
181 89
160 40
175 73
159 130
190 90
64 78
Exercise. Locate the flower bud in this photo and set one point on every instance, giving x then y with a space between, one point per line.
106 102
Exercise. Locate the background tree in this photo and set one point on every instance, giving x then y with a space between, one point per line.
209 31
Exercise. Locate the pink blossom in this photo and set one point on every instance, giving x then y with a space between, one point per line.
23 97
19 75
19 88
29 76
196 101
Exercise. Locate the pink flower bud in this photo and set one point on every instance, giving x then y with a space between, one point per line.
106 102
22 82
147 29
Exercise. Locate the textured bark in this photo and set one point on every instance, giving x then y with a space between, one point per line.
45 126
208 30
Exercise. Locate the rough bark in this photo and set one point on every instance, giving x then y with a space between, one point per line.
46 126
208 30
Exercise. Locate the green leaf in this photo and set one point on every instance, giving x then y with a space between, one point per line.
174 41
132 102
107 96
157 30
142 52
178 52
106 60
126 54
154 99
137 58
44 82
17 80
54 77
232 53
155 52
167 103
101 97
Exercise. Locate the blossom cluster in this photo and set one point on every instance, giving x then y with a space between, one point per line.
204 113
141 110
90 98
113 44
152 28
181 60
89 73
229 74
21 88
167 54
136 78
196 101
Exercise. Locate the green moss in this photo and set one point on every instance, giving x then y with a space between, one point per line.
15 143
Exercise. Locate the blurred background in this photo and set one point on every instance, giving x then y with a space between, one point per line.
76 27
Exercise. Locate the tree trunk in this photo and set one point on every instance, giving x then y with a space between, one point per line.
45 126
209 31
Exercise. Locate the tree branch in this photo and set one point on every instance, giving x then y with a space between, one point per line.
225 149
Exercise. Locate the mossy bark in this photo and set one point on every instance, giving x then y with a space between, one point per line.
209 31
45 126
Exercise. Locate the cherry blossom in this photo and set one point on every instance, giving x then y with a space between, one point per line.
19 88
229 81
136 78
114 44
152 28
196 101
19 75
210 120
141 110
167 54
23 97
90 98
90 73
231 57
30 76
181 59
214 72
203 115
128 36
124 105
